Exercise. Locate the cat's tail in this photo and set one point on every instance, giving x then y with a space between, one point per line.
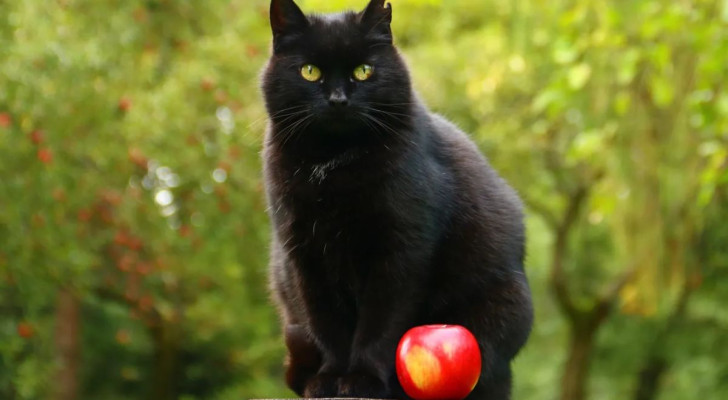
304 358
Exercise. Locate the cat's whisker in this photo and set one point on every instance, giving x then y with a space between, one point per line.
384 126
370 125
257 121
288 114
396 117
288 117
398 133
278 113
283 130
391 104
290 108
288 132
378 122
385 112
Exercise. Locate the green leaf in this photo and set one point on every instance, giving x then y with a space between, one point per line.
622 102
662 91
586 145
627 66
546 100
565 52
579 75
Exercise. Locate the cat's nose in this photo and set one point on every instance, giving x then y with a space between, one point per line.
338 98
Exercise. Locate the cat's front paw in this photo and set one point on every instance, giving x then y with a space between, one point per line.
363 386
321 386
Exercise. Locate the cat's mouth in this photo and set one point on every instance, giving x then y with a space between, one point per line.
339 116
348 125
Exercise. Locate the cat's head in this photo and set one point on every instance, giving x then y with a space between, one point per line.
335 73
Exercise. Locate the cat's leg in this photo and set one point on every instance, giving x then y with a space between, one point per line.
494 385
501 322
304 357
387 309
311 369
332 331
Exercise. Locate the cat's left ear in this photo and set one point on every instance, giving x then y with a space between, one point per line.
376 19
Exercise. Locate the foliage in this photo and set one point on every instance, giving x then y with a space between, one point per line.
130 177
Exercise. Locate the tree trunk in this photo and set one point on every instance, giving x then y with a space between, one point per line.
649 378
164 377
576 371
656 365
67 346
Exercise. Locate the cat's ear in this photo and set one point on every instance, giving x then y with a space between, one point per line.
286 18
377 18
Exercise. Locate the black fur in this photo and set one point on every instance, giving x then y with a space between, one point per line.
385 215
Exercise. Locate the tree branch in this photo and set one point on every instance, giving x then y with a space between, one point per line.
542 210
607 299
557 277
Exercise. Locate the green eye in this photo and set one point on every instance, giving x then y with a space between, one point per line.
310 72
363 72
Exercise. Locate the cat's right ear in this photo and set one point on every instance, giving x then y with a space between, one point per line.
286 18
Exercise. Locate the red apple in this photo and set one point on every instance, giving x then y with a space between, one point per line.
438 362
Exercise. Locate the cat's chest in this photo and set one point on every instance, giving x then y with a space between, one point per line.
342 187
335 218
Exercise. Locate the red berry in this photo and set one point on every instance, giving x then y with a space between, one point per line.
84 215
221 96
25 330
146 303
5 120
59 195
37 136
137 157
144 268
45 156
207 84
123 337
140 14
252 51
124 104
185 231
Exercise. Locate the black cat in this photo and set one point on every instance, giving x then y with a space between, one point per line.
385 215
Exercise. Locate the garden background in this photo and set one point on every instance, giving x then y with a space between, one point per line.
133 232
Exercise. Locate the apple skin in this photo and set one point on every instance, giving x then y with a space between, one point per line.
438 362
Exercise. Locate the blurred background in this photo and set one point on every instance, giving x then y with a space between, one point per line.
133 233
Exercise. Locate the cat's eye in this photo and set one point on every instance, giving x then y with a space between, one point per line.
363 72
310 72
